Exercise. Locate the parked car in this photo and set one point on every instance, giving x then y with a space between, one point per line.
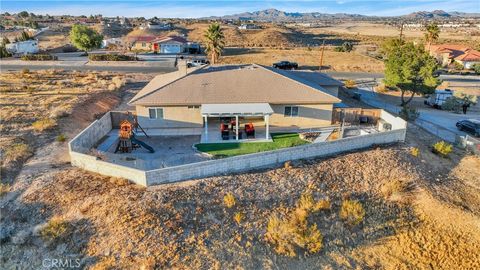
197 63
285 65
470 125
437 99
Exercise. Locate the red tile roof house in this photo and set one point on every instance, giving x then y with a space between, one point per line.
163 45
196 101
449 53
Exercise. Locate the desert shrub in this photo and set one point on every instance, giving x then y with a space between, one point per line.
408 113
287 165
38 57
4 188
118 81
238 217
25 71
394 187
43 124
229 200
293 231
17 151
55 229
61 138
442 148
457 66
415 151
307 203
352 212
476 68
350 84
381 88
110 57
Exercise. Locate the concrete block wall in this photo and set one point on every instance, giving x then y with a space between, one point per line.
91 163
270 158
91 135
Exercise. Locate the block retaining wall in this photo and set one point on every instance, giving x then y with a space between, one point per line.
100 128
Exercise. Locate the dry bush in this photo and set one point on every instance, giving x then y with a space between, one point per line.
61 138
442 148
105 263
238 217
44 124
118 81
17 151
287 165
381 88
350 84
292 231
352 212
415 151
307 203
4 189
25 71
397 189
229 200
55 229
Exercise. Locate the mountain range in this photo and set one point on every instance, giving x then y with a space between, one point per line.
275 15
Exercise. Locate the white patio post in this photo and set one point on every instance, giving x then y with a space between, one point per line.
236 127
267 118
206 124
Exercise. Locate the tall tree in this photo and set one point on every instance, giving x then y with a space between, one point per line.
85 38
214 40
432 32
409 68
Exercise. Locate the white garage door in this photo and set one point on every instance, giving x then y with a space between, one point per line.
169 48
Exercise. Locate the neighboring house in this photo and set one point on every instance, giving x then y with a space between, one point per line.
112 41
251 93
159 26
449 53
23 47
141 43
164 45
169 44
248 26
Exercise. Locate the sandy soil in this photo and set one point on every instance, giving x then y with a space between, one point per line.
114 224
306 59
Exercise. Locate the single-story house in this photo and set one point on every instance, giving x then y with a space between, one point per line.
265 96
248 26
449 53
112 42
165 44
23 47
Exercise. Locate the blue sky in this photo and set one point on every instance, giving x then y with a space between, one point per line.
201 8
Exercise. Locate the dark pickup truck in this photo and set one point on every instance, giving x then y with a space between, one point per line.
285 65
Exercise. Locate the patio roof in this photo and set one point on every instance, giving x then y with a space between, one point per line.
240 109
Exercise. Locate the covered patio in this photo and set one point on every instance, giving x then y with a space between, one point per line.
224 123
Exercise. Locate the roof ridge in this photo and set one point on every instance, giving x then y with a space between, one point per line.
296 81
177 79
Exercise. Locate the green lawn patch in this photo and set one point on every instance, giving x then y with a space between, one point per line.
280 140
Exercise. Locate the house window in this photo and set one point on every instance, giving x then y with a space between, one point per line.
155 113
290 111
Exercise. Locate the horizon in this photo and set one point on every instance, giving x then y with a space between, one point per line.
199 9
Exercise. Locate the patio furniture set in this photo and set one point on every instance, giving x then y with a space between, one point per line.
228 126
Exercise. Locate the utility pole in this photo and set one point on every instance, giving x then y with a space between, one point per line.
401 30
321 56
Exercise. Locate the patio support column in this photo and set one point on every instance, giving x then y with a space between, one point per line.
236 127
206 124
267 124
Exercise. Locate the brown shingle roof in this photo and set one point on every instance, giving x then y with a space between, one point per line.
235 84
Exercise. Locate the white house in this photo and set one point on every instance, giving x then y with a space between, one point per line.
112 41
23 47
248 26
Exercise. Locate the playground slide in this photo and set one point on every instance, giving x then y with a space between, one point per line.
148 147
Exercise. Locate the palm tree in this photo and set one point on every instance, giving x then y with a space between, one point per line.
214 40
432 33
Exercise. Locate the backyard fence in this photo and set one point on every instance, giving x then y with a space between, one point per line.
81 146
354 115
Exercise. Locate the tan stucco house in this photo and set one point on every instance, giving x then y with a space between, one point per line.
267 97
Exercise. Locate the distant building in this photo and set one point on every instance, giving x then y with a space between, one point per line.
447 54
112 41
248 26
164 44
23 47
